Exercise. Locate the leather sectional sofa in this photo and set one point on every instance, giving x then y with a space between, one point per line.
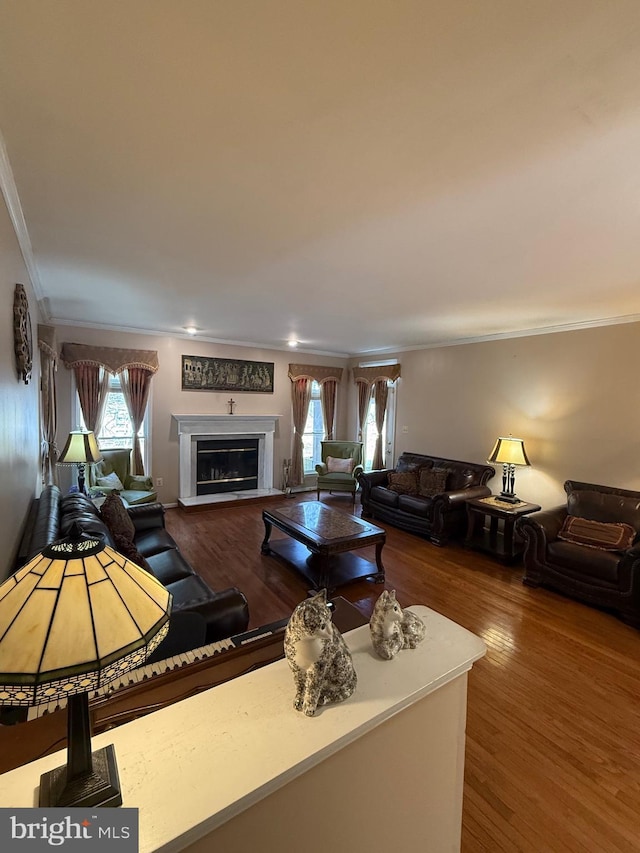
439 516
199 614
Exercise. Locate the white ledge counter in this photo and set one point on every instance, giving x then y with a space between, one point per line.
237 769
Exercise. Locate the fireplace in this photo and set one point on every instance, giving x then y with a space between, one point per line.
254 432
226 465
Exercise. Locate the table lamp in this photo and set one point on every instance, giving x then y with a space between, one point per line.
74 618
510 452
81 447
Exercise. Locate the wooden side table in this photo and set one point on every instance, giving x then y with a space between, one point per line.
499 538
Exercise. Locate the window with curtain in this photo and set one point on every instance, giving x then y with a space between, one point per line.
318 385
313 431
370 431
116 429
367 375
112 390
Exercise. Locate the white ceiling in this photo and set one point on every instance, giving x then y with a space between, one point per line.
362 175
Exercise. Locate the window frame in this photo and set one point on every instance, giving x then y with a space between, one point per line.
317 435
145 428
389 426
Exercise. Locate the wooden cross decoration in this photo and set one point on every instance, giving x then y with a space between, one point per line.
231 403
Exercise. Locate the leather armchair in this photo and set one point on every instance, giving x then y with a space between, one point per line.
339 481
604 578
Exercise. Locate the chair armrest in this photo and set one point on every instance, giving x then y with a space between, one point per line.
537 530
139 483
452 499
358 469
369 479
544 525
634 552
322 469
146 516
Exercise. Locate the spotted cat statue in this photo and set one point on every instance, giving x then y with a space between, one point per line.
319 658
393 628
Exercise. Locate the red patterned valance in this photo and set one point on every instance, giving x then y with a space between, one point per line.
369 375
113 360
314 371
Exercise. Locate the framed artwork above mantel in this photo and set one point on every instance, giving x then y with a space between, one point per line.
226 374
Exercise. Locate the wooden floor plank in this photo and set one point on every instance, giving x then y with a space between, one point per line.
553 729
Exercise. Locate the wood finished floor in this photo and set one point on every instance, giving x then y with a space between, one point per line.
553 729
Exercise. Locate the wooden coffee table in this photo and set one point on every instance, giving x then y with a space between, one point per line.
321 541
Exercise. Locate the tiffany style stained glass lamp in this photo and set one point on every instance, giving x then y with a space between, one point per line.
74 618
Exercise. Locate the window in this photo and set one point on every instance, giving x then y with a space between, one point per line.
313 432
370 433
116 429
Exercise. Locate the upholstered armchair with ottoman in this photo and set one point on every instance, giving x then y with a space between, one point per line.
113 474
425 494
589 548
340 466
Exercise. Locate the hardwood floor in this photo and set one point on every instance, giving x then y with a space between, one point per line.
553 729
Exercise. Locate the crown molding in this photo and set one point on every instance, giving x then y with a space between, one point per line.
12 200
505 336
197 338
501 336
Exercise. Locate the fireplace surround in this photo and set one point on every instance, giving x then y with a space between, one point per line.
195 428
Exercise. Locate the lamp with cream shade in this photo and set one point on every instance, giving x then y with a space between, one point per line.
510 452
81 448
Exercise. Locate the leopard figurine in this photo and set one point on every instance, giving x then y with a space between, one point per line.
318 656
393 628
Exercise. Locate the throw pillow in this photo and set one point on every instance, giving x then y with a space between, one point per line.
116 517
111 480
404 483
339 466
605 536
433 481
128 549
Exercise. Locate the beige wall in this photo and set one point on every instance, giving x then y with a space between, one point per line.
19 406
167 396
572 397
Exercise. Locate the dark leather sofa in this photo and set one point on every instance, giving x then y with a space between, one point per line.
441 516
199 615
605 578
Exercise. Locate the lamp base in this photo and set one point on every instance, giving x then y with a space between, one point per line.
100 787
508 498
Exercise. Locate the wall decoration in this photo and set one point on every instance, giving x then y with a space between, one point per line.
226 374
22 338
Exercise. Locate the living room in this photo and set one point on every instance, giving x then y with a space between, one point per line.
563 379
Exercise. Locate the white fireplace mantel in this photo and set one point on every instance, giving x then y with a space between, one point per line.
191 428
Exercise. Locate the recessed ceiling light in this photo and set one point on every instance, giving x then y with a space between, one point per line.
191 330
293 343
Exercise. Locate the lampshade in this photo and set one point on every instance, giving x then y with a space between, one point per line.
74 618
81 446
77 616
509 451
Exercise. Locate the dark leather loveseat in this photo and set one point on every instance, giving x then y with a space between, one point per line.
576 559
439 516
199 614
